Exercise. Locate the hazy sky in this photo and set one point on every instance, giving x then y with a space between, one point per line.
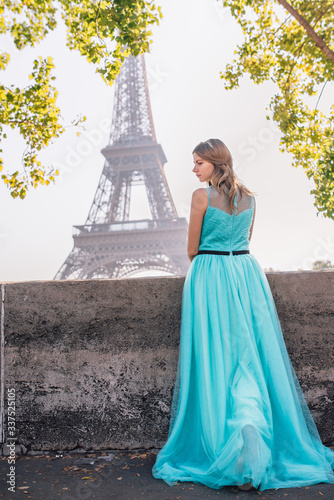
195 40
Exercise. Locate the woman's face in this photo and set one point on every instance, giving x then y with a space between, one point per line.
203 169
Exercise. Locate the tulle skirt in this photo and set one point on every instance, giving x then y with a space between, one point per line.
238 412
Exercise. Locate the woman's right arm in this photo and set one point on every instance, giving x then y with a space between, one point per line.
199 204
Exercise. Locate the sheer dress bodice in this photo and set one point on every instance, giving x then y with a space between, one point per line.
223 229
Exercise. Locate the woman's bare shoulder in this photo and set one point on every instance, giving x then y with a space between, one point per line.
200 198
200 192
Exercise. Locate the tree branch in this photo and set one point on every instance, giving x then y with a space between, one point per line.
323 88
309 30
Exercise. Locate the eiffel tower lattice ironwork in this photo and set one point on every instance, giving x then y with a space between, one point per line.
110 245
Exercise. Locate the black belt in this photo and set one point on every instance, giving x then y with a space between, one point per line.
221 252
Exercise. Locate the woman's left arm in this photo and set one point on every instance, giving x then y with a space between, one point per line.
199 204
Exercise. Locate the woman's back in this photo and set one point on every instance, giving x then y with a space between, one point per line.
223 229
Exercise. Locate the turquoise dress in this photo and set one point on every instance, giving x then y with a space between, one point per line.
238 412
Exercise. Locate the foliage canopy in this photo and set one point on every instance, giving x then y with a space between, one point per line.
293 47
104 32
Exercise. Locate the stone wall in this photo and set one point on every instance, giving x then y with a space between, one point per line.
93 362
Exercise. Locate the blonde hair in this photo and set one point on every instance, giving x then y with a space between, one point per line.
216 152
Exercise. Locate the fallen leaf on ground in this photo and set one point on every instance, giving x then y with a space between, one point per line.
98 467
72 467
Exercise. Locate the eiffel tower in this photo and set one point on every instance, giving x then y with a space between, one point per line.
110 245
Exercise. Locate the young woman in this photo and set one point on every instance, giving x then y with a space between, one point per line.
238 416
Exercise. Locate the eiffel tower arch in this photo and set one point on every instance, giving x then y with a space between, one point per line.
109 244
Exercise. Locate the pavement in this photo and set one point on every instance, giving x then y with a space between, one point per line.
120 475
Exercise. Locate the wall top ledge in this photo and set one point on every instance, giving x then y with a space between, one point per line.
155 278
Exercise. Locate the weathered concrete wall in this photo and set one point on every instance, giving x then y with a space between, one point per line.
93 363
